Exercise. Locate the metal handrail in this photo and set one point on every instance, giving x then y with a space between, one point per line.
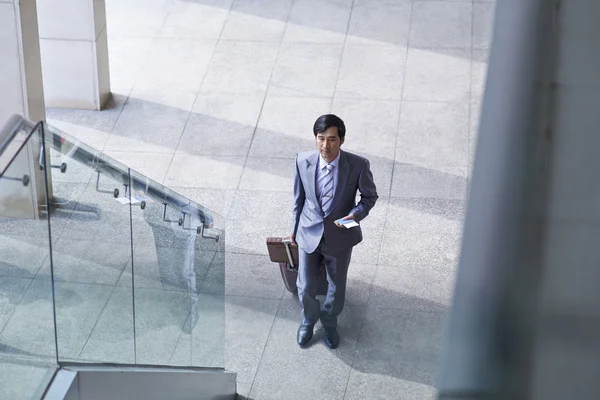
109 167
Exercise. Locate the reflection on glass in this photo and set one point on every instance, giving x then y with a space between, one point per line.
173 252
92 253
27 345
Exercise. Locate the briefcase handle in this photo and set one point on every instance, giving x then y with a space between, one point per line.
287 242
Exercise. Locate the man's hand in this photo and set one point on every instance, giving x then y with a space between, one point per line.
346 218
293 240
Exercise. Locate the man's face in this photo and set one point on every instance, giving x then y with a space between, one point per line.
329 143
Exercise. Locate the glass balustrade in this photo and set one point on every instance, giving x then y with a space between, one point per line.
28 357
121 269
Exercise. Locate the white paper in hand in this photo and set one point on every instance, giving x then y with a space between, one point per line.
349 223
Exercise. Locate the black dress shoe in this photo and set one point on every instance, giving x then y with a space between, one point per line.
332 338
305 333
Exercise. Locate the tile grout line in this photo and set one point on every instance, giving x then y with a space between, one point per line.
96 323
197 93
387 202
469 115
262 354
20 300
337 76
154 40
398 126
262 106
362 323
394 161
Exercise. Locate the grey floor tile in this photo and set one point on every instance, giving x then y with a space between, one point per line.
90 127
326 370
165 268
221 125
420 286
269 174
150 16
112 340
441 24
151 122
378 216
419 182
367 252
257 20
358 286
417 247
12 290
266 207
437 75
444 216
240 68
87 261
306 69
182 355
382 175
31 328
24 381
152 165
285 126
483 24
194 20
361 78
186 60
160 316
433 134
380 23
212 172
318 21
32 231
127 57
245 275
249 237
208 336
102 218
396 356
365 137
22 256
247 327
479 67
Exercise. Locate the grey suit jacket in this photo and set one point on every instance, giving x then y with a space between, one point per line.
310 223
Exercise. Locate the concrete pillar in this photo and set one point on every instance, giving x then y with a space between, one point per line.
74 51
22 93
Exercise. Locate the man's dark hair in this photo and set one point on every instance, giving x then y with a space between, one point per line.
326 121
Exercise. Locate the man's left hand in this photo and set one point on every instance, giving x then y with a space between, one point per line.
346 218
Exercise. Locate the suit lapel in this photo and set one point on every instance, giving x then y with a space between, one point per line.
311 177
343 172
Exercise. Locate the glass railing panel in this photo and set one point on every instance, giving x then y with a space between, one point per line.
27 341
91 254
174 250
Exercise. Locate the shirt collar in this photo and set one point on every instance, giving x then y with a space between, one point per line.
335 162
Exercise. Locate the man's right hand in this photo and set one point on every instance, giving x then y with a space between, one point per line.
293 240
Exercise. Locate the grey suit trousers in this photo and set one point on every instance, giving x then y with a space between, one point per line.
336 263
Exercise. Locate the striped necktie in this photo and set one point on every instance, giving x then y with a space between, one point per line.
325 182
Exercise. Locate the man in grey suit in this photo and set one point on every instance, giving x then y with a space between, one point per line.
325 186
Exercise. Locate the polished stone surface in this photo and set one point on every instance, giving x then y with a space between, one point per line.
214 98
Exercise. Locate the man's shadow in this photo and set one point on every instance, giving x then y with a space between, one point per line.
402 342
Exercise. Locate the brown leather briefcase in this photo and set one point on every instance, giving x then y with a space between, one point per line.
285 254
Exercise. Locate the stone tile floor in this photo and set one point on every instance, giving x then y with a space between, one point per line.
213 98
